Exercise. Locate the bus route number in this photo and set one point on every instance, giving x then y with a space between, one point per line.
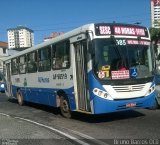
121 42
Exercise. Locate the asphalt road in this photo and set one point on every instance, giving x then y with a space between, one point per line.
131 127
14 131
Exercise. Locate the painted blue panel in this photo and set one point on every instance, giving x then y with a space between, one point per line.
105 106
72 101
101 105
45 96
93 83
14 91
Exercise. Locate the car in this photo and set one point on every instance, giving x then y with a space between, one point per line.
2 88
2 84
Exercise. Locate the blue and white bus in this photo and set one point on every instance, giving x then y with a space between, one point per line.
96 68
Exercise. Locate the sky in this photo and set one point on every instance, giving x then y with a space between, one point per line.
47 16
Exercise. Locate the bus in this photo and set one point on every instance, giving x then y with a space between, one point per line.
94 69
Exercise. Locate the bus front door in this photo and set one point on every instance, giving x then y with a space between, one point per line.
81 80
8 77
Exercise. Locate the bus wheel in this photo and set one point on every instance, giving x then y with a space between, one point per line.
64 107
20 98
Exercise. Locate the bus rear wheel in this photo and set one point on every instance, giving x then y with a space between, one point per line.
64 107
20 98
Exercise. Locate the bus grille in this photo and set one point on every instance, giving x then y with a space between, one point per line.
129 88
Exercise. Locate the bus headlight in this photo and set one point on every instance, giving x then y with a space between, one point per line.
2 85
151 90
102 94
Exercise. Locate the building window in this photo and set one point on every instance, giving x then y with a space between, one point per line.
4 50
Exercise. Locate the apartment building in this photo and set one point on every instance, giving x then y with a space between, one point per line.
155 13
20 37
3 53
3 49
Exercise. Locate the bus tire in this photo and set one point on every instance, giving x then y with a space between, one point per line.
64 107
20 98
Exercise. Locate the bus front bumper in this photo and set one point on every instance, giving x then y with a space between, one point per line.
101 105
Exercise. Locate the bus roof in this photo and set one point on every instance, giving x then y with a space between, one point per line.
64 36
69 34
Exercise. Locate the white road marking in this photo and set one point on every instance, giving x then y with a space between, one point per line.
60 132
89 137
51 128
56 130
5 114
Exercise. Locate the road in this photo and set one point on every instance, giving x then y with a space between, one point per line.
20 132
131 127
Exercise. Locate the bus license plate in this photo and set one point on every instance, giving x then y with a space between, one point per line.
130 105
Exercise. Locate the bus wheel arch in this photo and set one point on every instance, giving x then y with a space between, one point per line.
64 105
19 97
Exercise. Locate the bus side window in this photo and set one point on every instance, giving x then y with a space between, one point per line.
44 61
22 64
14 66
60 55
32 62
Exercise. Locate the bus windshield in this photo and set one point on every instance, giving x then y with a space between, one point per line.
116 59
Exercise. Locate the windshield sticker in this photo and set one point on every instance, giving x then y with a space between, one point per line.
106 69
122 74
101 74
133 72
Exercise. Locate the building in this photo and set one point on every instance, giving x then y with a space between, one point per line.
3 49
20 38
155 13
155 18
53 35
3 53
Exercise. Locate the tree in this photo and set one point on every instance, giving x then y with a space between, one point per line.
155 37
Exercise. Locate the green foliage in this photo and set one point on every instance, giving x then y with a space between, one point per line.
155 36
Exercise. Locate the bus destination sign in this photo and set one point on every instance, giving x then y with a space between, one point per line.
120 30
